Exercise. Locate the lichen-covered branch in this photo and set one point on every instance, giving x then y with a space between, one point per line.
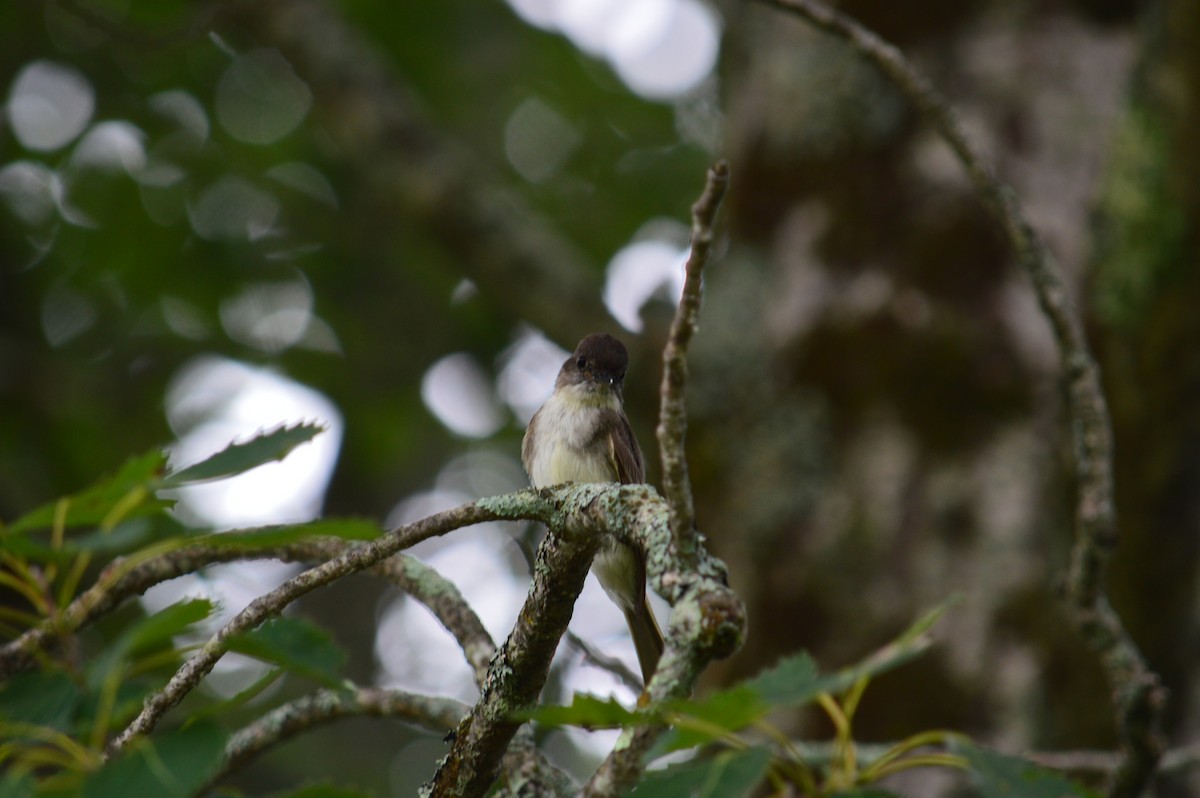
519 670
708 622
672 417
446 603
353 560
326 706
1138 693
113 587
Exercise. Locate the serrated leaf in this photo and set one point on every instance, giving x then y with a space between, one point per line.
173 765
131 490
40 698
587 712
238 458
790 682
295 645
1001 776
729 774
343 528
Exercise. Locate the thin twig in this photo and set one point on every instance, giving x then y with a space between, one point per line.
618 669
1108 762
355 559
1137 691
417 579
672 418
326 706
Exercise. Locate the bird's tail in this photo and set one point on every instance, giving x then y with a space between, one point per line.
647 637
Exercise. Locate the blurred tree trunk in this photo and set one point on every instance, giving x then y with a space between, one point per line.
1146 288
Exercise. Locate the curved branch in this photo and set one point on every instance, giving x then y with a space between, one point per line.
672 417
353 560
614 666
707 622
326 706
1138 692
444 600
114 587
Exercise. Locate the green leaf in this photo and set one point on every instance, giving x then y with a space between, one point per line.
238 458
344 528
41 698
792 681
242 698
16 785
160 629
729 774
1002 776
714 717
587 712
124 538
130 492
151 633
867 792
295 645
173 765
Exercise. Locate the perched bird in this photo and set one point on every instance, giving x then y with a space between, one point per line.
581 434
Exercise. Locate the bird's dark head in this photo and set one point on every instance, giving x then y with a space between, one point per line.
599 362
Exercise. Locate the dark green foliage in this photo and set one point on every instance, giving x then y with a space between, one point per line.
296 645
730 774
171 765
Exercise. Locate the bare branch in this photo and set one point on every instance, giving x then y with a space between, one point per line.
326 706
353 560
1137 690
524 763
444 600
614 666
672 418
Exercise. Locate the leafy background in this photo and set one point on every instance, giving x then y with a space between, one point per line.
323 201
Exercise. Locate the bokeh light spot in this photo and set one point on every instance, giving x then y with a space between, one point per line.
113 146
538 140
213 401
459 393
31 191
527 372
643 270
233 209
269 316
49 105
661 49
260 99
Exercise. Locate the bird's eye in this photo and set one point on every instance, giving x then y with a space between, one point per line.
581 362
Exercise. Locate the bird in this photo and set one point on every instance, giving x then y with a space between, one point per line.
581 434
